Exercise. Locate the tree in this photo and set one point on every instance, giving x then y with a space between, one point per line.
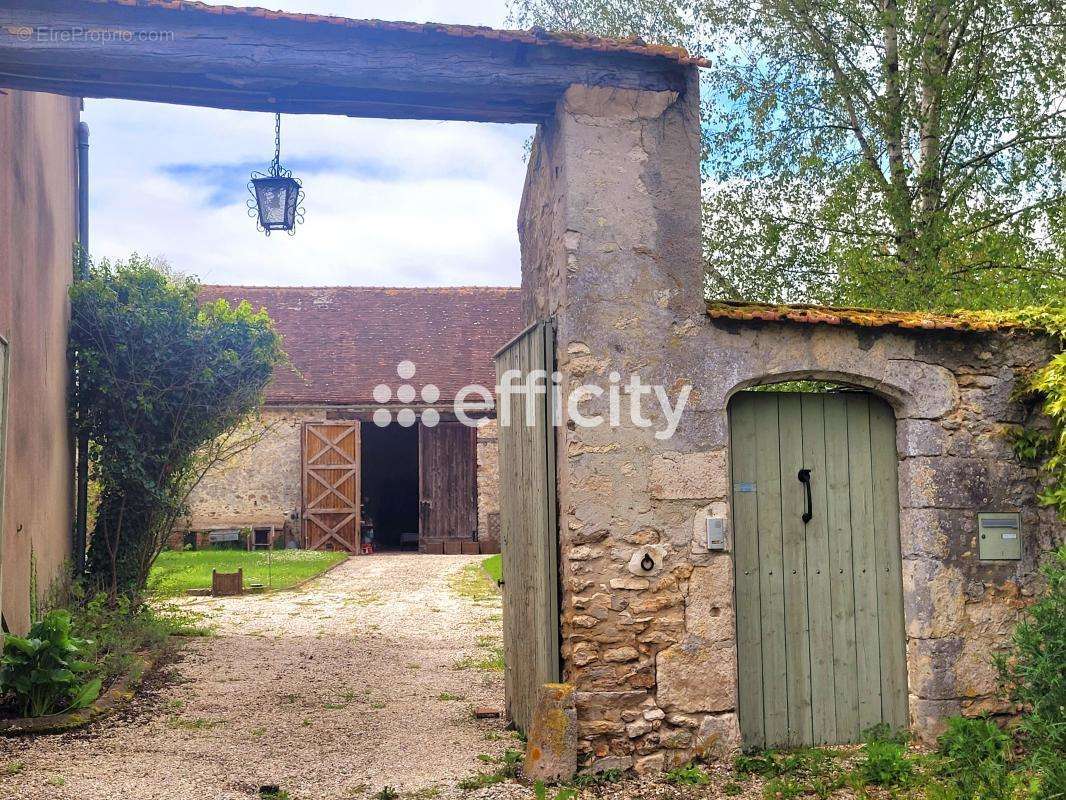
907 153
166 388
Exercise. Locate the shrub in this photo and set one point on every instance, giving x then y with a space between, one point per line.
164 389
1034 675
43 671
975 760
886 764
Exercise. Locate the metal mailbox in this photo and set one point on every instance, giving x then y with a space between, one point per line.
999 536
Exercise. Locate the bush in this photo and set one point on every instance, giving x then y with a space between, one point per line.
43 671
886 764
164 388
1035 676
976 759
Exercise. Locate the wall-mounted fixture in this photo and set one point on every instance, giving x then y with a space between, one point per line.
277 197
647 561
716 533
999 536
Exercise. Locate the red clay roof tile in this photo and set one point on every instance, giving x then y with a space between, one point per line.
344 341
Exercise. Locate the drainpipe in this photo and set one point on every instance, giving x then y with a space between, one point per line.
82 509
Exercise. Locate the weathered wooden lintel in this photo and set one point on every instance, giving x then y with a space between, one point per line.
253 61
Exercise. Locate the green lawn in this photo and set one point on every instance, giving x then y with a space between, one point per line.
174 572
494 566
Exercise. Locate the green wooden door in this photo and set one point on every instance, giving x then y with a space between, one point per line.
529 536
820 637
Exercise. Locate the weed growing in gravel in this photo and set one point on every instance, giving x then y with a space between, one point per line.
588 780
690 774
448 696
386 793
508 763
472 583
14 767
540 792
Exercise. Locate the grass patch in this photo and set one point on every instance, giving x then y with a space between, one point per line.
493 565
472 583
174 572
508 765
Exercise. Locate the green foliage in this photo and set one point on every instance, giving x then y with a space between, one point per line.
1048 384
903 155
43 672
975 760
782 789
493 565
540 792
1034 676
387 793
509 764
165 387
886 764
691 774
588 780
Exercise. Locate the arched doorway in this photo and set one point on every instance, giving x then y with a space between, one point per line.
820 634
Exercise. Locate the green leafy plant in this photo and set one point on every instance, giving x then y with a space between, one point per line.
166 388
1034 676
540 791
43 671
387 793
690 774
782 789
588 780
976 760
886 764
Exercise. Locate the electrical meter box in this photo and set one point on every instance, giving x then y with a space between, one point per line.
715 533
999 536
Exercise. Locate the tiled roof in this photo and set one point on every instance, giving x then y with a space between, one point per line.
864 317
344 341
535 36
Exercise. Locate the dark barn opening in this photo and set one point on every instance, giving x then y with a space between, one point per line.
390 486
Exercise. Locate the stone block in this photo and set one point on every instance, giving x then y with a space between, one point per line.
696 676
718 736
709 602
689 476
551 747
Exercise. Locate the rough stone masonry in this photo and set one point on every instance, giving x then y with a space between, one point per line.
610 245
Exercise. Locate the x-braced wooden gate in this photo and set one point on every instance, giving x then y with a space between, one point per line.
528 526
331 485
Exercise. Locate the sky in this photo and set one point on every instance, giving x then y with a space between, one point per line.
388 202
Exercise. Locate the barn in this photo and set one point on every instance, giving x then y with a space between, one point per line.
361 445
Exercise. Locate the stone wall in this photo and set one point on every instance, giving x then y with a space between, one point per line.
610 233
261 486
488 484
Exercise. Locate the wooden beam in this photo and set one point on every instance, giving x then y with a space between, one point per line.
250 60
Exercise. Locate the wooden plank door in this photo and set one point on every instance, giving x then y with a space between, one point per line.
820 637
331 485
4 378
529 536
447 481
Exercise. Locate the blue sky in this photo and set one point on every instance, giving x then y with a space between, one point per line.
389 203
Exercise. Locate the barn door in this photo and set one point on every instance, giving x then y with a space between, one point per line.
331 484
528 529
447 481
819 593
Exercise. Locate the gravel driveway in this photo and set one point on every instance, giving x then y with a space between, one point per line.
366 677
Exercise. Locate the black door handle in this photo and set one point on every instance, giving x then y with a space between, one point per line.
805 478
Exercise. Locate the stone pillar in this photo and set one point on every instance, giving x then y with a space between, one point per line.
610 227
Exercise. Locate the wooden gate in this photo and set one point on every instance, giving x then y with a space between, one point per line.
820 637
4 379
447 481
528 528
331 485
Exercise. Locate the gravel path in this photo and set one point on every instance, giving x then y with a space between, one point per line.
366 677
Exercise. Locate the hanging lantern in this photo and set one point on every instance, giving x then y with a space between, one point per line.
277 197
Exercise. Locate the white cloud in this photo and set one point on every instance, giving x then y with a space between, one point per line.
389 202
